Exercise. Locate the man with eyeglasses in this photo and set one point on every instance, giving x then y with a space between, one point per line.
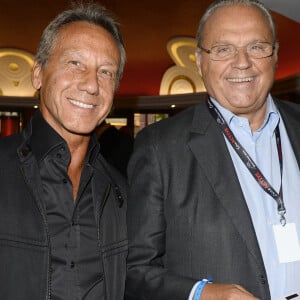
214 210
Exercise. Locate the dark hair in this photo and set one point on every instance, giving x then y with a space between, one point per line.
221 3
88 12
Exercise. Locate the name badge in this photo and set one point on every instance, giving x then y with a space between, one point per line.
287 242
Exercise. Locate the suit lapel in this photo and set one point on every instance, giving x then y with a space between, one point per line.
292 124
208 146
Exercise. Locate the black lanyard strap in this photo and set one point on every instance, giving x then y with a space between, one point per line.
249 163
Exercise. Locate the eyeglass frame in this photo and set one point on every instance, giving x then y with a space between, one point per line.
209 51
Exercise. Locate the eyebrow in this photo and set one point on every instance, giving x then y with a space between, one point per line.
225 42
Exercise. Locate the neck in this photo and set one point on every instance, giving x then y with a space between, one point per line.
78 157
255 119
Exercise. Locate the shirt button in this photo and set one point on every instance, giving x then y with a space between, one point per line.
65 180
58 155
262 279
72 264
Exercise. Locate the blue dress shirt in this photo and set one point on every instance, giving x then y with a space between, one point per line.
283 278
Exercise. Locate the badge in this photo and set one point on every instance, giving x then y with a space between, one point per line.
287 242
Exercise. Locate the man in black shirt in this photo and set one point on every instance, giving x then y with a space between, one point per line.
62 207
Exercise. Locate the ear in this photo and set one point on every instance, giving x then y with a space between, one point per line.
36 76
198 61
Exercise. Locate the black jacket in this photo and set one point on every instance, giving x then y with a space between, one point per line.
187 216
25 258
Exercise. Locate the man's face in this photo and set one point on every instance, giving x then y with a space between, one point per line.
78 82
241 83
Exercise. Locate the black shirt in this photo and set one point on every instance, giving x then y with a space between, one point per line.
77 272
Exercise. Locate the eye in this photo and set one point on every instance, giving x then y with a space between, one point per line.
257 47
76 65
107 73
259 50
74 62
223 49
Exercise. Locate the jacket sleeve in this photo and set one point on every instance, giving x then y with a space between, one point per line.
148 276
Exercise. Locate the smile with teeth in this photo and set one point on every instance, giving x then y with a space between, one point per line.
238 80
81 104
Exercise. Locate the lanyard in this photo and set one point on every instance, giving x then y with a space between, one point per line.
249 163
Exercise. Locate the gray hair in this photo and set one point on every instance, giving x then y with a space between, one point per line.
221 3
87 12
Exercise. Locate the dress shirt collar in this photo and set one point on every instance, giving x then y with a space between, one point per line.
44 139
270 122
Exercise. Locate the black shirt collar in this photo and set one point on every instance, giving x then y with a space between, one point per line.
44 139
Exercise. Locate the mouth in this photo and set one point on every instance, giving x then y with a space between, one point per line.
240 80
81 104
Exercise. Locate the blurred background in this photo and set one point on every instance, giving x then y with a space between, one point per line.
160 76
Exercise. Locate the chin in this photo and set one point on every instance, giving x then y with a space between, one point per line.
81 131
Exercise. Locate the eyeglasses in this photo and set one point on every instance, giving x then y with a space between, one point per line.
254 50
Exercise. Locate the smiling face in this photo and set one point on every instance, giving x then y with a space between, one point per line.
78 82
240 84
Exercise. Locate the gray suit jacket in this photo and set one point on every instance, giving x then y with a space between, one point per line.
187 216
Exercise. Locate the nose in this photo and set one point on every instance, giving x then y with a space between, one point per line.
242 59
89 82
